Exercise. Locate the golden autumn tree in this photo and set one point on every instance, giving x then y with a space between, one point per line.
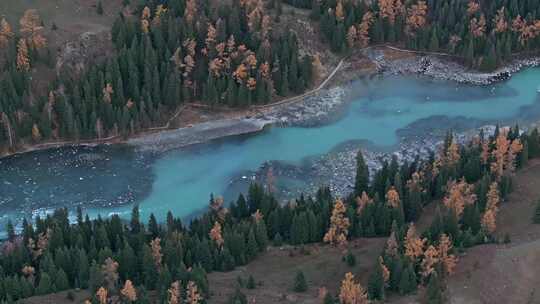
109 269
515 148
36 134
23 60
414 245
459 194
351 292
155 246
175 293
5 32
102 295
447 260
190 11
472 7
390 9
488 221
192 293
478 26
384 270
392 198
430 260
339 226
340 15
129 292
362 201
216 234
493 197
363 29
416 17
502 144
501 25
31 29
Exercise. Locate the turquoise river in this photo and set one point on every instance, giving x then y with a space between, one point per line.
110 179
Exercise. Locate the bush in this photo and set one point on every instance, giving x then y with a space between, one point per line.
251 283
70 296
350 259
300 284
100 8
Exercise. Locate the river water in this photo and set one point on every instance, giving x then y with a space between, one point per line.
110 179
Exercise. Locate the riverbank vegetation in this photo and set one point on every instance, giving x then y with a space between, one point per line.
223 53
485 34
119 260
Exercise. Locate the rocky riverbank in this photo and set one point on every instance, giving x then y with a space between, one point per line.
443 68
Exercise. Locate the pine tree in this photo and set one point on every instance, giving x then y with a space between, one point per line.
434 292
376 284
300 284
362 175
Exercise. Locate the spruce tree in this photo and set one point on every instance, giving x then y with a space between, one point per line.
362 174
300 284
376 284
434 292
536 216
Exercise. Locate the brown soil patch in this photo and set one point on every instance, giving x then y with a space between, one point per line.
275 271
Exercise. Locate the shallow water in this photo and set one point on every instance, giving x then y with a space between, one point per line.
110 179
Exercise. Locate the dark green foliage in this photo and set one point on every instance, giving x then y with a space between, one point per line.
434 290
99 9
251 283
362 174
350 259
376 284
300 284
237 298
536 216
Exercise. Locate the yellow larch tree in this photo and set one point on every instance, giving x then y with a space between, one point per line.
502 144
515 148
416 17
31 29
109 269
501 25
339 225
478 26
102 295
363 29
216 234
392 198
414 245
107 93
473 7
431 258
340 15
384 270
129 292
459 194
351 292
362 201
23 60
493 197
175 293
192 293
190 11
488 221
5 32
155 245
448 260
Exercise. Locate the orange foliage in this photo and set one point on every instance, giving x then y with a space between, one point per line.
5 32
155 245
175 293
257 216
36 134
392 198
110 273
501 25
390 9
448 260
190 11
459 194
351 36
502 144
339 225
339 11
240 73
129 291
351 292
362 201
23 61
384 269
431 258
102 295
31 29
473 7
478 26
216 235
363 29
192 294
488 221
414 246
416 17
